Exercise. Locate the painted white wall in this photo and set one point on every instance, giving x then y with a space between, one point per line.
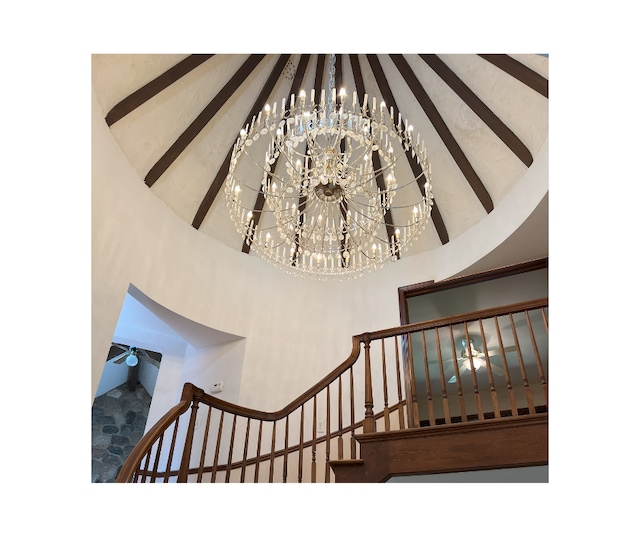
219 363
296 330
113 375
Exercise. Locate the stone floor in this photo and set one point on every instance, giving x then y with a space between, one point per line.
118 419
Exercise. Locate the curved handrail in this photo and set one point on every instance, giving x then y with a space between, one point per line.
193 394
456 319
147 441
190 391
301 399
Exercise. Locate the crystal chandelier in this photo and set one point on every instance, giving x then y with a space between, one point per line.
327 177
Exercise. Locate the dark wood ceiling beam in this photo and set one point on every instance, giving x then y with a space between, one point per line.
344 207
375 158
319 72
387 95
480 108
220 177
295 89
203 119
443 131
519 71
154 87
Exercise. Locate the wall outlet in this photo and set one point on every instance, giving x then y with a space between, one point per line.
321 426
217 387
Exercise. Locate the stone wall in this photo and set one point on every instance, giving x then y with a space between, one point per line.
118 420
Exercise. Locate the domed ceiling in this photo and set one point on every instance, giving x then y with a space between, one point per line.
483 119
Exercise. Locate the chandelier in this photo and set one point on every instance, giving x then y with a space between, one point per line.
320 203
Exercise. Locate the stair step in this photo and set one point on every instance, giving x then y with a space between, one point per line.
346 462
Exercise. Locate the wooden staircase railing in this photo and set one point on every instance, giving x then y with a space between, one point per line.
409 377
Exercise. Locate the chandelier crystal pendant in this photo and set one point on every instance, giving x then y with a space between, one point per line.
327 177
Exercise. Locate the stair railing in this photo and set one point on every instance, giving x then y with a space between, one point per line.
411 376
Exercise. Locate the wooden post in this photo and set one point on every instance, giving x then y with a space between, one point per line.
369 425
186 454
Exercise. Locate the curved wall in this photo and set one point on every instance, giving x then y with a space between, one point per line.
296 330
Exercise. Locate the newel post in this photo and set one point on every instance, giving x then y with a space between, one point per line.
369 425
188 443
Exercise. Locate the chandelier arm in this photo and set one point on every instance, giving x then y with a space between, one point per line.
355 222
395 226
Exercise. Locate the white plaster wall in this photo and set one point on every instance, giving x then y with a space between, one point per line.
296 330
218 363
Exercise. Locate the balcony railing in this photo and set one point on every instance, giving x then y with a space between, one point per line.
418 375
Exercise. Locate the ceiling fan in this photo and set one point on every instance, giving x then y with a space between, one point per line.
132 355
473 357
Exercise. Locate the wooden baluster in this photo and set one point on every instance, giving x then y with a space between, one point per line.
301 451
273 451
172 449
543 379
204 447
230 456
544 318
507 376
340 451
257 473
492 387
474 375
328 434
188 443
145 470
353 415
156 462
463 411
443 381
285 459
430 409
313 440
523 371
369 425
385 391
245 451
399 385
413 417
214 468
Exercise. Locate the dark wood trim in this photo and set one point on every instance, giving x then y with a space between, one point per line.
203 119
438 222
150 90
259 103
424 288
482 110
482 445
443 131
519 71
